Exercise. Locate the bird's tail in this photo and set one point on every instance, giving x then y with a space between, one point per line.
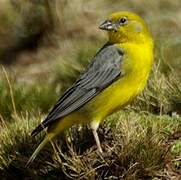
47 139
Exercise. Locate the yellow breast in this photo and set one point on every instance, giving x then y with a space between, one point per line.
136 65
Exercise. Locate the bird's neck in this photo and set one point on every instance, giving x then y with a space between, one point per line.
122 38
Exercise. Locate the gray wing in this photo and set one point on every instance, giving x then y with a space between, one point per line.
104 70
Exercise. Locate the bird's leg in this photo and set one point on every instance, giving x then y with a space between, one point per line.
94 127
97 140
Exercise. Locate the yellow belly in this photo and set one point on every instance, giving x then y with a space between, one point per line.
114 97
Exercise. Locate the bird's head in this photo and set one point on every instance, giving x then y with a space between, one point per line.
125 27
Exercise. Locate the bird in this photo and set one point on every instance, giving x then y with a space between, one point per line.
116 75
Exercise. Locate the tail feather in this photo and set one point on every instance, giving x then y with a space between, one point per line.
55 129
38 149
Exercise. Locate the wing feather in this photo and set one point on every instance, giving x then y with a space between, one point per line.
103 71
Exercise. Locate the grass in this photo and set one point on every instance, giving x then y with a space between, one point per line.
135 146
140 142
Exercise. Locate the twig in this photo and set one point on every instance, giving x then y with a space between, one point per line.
10 90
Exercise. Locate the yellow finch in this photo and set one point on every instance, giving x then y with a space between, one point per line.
117 73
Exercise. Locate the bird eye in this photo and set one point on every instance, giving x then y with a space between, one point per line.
122 20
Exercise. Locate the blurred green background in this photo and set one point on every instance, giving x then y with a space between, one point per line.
46 44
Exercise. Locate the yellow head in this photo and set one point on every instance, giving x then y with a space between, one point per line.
125 27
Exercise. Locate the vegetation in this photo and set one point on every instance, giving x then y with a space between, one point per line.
143 141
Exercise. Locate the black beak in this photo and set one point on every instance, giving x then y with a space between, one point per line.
108 26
